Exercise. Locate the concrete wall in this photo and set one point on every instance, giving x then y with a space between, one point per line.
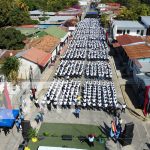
133 31
25 68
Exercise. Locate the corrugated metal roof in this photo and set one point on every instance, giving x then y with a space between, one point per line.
56 32
145 67
146 20
56 19
38 12
128 39
128 24
137 51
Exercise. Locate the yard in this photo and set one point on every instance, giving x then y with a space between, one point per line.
55 132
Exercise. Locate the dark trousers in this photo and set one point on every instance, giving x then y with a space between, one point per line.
77 115
37 105
91 144
49 107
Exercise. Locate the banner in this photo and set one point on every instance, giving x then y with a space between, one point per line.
7 101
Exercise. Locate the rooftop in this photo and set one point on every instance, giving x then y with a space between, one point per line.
128 24
70 12
128 39
137 51
144 78
56 32
145 67
146 20
56 19
38 12
37 56
7 53
46 43
27 31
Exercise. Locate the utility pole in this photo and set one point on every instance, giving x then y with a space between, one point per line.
31 76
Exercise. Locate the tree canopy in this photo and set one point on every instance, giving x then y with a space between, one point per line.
11 39
133 9
49 5
14 12
10 68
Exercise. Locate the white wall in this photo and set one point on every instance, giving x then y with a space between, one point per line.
54 53
25 67
133 32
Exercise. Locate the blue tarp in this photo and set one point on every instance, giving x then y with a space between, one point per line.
8 117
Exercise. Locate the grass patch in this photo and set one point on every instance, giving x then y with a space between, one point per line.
57 130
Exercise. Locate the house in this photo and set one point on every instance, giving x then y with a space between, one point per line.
139 65
125 40
71 12
36 14
146 21
56 20
138 59
35 59
58 33
48 44
121 27
28 31
102 7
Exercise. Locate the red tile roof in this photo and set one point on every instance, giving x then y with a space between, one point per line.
137 51
37 56
114 4
28 26
128 39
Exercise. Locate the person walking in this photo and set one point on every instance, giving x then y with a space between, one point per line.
77 112
123 107
36 103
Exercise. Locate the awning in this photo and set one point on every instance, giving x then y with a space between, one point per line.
8 117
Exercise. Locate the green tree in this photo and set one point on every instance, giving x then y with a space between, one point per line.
10 68
14 12
11 38
5 9
104 20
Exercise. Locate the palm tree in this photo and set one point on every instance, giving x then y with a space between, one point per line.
21 5
10 68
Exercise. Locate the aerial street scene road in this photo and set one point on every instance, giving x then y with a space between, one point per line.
74 75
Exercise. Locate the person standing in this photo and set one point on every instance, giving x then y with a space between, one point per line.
123 107
49 105
36 103
77 112
91 140
33 92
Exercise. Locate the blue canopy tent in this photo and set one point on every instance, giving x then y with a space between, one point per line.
8 117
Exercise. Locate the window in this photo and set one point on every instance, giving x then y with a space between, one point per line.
138 31
128 31
142 32
124 31
119 31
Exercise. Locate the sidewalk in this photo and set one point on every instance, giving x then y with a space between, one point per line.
123 97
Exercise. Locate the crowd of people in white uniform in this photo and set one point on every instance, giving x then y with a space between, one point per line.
98 70
87 56
99 95
70 68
